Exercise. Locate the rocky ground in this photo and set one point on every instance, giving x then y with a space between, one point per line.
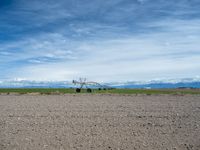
99 122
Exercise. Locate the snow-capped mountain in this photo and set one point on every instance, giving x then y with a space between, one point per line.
159 83
156 83
32 84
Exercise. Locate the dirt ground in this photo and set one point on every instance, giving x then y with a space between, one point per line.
99 122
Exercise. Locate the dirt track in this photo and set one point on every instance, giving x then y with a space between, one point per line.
99 122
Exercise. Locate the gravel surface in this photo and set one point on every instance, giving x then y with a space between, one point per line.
99 122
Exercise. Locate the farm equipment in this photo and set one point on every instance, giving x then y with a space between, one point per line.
87 84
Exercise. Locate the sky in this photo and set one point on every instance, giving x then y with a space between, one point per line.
104 41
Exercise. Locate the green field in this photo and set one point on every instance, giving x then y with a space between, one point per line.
113 91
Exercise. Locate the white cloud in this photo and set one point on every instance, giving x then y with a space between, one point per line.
102 51
132 58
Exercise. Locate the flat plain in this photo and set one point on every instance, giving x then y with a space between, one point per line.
99 122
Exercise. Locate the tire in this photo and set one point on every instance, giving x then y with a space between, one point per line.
78 90
89 90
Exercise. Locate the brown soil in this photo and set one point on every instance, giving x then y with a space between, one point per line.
99 122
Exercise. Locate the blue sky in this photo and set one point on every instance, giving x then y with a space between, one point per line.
112 40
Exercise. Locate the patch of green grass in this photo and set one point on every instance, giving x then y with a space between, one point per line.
36 90
152 91
49 91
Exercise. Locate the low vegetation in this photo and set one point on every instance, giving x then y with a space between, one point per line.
94 91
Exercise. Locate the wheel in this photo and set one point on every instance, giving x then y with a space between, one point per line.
78 90
99 89
89 90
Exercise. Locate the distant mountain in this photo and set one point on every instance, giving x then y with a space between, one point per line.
34 84
164 83
160 85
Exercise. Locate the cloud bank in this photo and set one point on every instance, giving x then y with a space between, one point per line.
116 40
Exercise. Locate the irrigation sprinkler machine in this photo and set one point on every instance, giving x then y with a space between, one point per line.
84 84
